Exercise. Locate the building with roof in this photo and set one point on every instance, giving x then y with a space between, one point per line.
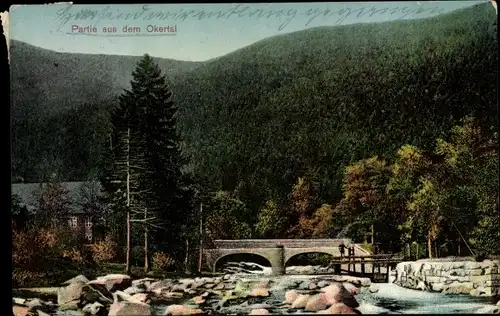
79 218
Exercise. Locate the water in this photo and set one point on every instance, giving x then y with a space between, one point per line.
392 299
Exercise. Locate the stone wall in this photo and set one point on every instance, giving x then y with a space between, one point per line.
450 277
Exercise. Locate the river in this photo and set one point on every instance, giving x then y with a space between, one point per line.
393 299
389 299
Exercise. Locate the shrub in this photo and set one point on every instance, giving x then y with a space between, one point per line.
105 250
162 261
39 255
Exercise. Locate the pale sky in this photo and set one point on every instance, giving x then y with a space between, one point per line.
204 31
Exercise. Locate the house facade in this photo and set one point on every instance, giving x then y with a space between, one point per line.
79 218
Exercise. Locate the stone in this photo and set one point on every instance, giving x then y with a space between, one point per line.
20 310
127 309
300 301
372 289
336 293
143 283
459 288
158 286
133 289
78 279
18 301
93 308
260 311
437 287
219 286
42 313
175 310
290 296
340 308
198 300
421 286
34 304
312 286
69 293
351 288
70 305
113 282
259 306
498 303
209 285
471 265
181 287
322 284
140 297
316 303
259 292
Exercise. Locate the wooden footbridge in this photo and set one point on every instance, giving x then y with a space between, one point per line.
377 267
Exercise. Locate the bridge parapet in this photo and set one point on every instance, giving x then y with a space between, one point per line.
271 243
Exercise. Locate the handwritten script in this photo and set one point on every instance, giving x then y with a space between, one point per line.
283 16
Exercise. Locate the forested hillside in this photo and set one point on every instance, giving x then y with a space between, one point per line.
311 102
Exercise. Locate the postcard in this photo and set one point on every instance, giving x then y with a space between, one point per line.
254 158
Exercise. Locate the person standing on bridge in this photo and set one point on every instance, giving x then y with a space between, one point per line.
342 250
351 251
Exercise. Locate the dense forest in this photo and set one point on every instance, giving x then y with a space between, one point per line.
388 128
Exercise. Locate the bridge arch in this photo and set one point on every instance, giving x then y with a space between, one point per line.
322 258
292 252
238 256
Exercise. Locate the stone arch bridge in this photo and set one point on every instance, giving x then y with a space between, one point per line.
276 251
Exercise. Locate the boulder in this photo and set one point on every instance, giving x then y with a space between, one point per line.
373 289
437 287
322 284
113 282
290 296
259 292
78 279
459 288
143 283
259 311
127 309
93 309
340 308
300 301
312 286
20 310
351 288
70 293
335 293
134 289
159 286
316 303
18 300
175 310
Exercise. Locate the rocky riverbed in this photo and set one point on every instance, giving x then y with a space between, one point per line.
119 295
250 293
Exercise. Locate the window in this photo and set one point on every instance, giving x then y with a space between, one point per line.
74 221
88 222
88 236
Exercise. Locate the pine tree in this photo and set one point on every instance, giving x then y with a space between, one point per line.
148 159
